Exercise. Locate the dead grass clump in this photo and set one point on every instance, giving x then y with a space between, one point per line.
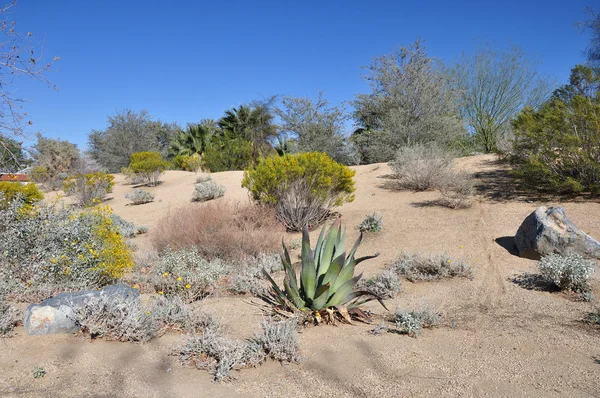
457 190
420 268
220 230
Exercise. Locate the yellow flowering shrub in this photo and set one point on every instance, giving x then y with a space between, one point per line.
90 188
10 190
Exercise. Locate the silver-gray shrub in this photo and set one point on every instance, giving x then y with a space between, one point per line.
421 268
7 321
371 223
140 196
279 339
187 274
248 276
207 191
202 178
570 272
421 167
126 228
385 285
412 322
48 250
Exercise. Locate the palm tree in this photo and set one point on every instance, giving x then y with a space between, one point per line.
193 140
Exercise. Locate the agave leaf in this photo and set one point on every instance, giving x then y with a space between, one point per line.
328 250
369 297
344 276
319 245
321 296
334 269
308 277
344 313
355 247
294 294
289 269
361 259
342 294
279 295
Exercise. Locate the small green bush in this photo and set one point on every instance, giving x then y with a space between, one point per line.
89 189
188 162
148 165
571 272
140 197
9 191
303 187
371 223
207 191
418 268
227 153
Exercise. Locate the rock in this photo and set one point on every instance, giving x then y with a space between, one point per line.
548 230
55 315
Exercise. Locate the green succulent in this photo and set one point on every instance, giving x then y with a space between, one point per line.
326 284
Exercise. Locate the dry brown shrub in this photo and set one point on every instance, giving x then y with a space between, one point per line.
222 230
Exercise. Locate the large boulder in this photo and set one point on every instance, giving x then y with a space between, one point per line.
548 230
55 315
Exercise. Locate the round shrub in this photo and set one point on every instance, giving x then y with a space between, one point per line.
571 272
140 196
303 187
148 165
10 190
188 162
207 191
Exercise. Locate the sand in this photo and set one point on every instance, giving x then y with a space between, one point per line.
497 338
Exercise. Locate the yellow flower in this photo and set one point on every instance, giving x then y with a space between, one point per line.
460 247
135 286
179 279
160 292
448 261
147 312
188 286
166 274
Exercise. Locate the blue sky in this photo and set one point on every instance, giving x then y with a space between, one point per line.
188 60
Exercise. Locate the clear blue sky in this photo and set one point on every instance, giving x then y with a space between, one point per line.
188 60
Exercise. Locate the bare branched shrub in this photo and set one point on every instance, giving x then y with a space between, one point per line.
571 272
422 166
220 230
207 191
385 285
457 190
297 207
419 268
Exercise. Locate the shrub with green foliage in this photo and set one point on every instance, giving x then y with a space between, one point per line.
571 272
557 147
89 189
10 190
371 223
140 196
226 153
188 162
303 187
148 166
47 249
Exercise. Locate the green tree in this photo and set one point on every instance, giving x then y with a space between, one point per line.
193 140
57 156
129 132
228 153
495 85
412 100
556 147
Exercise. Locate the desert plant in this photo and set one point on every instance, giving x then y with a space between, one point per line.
278 339
569 272
226 152
7 322
219 230
422 166
412 322
48 249
249 276
457 190
207 191
132 178
203 178
385 285
303 187
89 189
55 156
140 196
9 191
371 223
188 162
420 268
125 228
327 281
187 274
141 230
148 165
38 372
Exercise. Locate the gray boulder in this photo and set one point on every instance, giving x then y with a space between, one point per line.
55 315
548 230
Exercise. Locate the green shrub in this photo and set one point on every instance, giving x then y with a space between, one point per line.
39 174
303 187
140 197
47 249
10 190
148 165
207 191
571 272
89 189
188 162
371 223
226 153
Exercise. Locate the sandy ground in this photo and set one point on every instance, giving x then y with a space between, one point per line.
498 338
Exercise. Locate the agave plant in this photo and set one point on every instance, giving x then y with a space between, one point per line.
326 284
